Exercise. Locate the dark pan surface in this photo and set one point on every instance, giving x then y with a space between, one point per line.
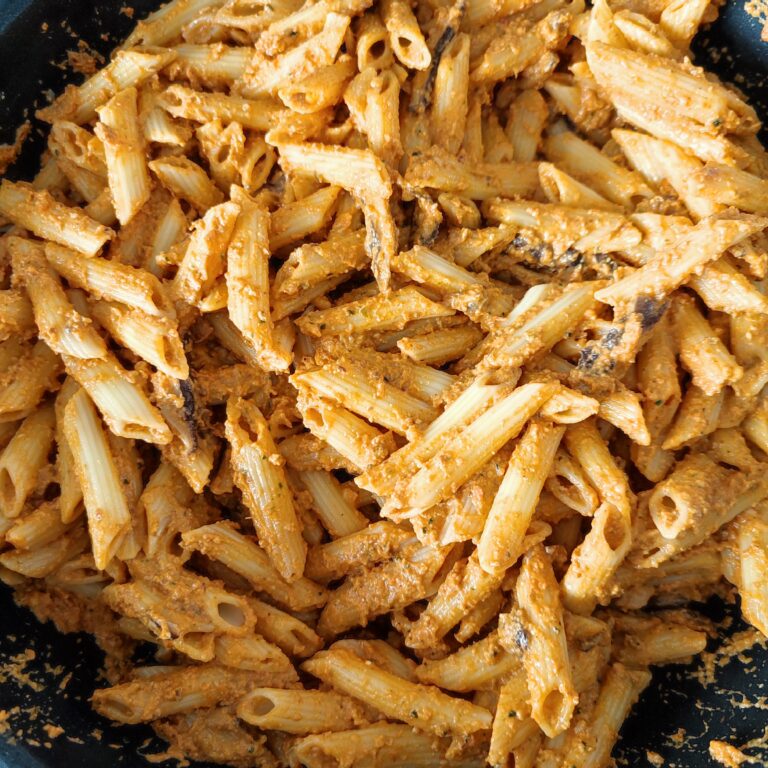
677 716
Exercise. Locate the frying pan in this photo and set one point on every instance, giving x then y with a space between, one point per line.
677 715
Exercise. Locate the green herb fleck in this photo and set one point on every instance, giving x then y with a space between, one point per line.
511 713
659 402
414 713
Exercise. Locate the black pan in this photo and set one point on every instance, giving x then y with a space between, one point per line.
677 716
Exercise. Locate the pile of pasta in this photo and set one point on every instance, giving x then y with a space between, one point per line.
395 370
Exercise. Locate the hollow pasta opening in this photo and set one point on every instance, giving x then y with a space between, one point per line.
258 706
231 614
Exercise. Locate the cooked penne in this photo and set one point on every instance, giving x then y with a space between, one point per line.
582 160
512 725
295 221
404 361
553 697
16 313
203 260
265 75
567 406
512 510
398 746
167 23
187 180
403 463
24 458
472 448
365 176
120 398
562 189
248 283
42 562
702 353
698 415
383 312
120 133
38 528
167 691
752 538
568 483
400 699
669 270
473 668
374 543
660 160
265 488
730 186
381 117
517 340
300 712
448 114
465 587
372 44
618 692
106 279
520 45
71 494
202 107
105 504
436 169
154 339
390 586
243 556
27 378
379 402
441 346
587 446
596 559
42 215
59 324
405 36
655 641
680 19
723 288
212 63
336 514
354 439
319 90
127 69
634 81
310 264
78 146
157 125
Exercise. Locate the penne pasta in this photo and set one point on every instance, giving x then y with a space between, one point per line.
59 324
24 458
120 398
553 697
248 284
120 133
129 68
265 488
109 519
397 698
512 509
393 369
42 215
